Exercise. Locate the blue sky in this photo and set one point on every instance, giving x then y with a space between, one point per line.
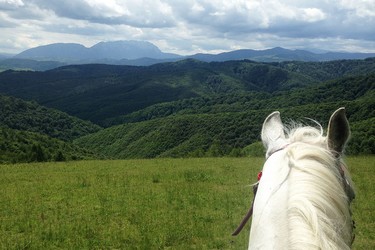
191 26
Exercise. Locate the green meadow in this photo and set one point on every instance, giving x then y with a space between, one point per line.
145 204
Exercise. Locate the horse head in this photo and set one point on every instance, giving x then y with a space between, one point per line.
303 197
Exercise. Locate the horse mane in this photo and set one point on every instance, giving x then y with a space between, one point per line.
318 208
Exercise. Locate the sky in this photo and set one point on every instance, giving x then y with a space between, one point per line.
190 26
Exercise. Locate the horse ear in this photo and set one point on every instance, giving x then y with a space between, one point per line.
338 131
273 132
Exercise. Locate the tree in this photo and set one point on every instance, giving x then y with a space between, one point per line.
37 153
60 156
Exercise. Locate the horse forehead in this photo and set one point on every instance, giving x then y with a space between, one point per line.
274 176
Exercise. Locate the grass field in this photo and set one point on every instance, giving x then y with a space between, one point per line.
145 204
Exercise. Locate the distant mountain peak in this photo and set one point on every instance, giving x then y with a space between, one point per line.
112 50
126 49
54 52
133 43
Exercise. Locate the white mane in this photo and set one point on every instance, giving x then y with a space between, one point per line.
318 207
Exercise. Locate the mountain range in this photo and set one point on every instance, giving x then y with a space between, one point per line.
117 50
142 53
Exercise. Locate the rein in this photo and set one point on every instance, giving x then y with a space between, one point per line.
250 212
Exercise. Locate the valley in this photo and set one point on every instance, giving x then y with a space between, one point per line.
187 108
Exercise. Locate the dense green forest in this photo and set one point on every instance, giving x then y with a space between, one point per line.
104 92
30 132
30 116
24 146
339 92
182 109
198 128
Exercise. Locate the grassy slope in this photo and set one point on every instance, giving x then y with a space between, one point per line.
145 204
364 205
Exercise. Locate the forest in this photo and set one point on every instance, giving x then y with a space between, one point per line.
187 108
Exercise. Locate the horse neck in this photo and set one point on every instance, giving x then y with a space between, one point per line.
300 204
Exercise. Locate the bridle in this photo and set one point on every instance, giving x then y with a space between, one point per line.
348 189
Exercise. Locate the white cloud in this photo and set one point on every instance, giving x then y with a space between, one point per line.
109 8
189 26
10 4
312 15
361 8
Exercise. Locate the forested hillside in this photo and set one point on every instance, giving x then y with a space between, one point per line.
30 132
24 146
30 116
180 109
226 125
338 92
101 92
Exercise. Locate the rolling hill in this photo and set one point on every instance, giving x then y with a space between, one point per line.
30 132
30 116
279 54
100 93
28 64
24 146
227 127
180 109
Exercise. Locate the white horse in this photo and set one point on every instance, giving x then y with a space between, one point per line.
303 197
